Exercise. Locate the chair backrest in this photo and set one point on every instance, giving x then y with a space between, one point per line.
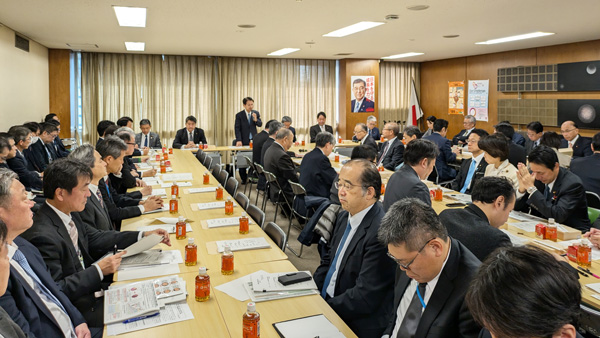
593 214
216 170
231 186
276 234
259 168
257 215
207 162
593 200
344 151
203 156
242 200
199 155
270 177
250 163
297 188
222 177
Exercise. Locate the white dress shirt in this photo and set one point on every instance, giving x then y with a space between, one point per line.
573 141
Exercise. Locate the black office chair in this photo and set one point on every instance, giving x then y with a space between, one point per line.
207 162
261 172
249 182
276 234
434 177
199 155
215 170
589 321
231 186
593 200
242 200
274 184
222 177
299 192
203 157
257 215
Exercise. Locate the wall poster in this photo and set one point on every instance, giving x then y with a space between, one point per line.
478 99
456 97
363 94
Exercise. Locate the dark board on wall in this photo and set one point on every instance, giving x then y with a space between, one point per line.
579 76
585 113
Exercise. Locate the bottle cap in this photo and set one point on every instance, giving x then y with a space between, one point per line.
550 220
243 214
202 270
228 198
174 182
190 240
219 186
173 197
585 241
251 307
226 248
206 172
181 219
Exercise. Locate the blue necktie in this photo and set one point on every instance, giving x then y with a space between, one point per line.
250 123
469 176
107 188
146 142
547 192
334 262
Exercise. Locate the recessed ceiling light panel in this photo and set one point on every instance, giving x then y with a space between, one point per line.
283 51
135 46
131 16
399 56
357 27
514 38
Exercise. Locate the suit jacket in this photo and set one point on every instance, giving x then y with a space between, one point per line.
181 138
516 154
59 148
257 146
126 181
370 141
460 137
153 141
405 183
51 237
8 328
518 139
581 148
529 146
36 156
29 178
279 163
366 106
444 157
119 206
588 170
374 133
25 307
316 173
393 157
567 203
469 226
96 215
314 130
365 281
243 128
446 314
461 176
293 130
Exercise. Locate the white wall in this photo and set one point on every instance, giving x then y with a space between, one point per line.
24 93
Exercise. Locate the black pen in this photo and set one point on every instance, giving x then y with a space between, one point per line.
582 273
115 250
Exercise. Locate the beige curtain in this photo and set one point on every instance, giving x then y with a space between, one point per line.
394 90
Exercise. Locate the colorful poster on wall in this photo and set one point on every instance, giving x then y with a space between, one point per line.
478 99
456 97
363 94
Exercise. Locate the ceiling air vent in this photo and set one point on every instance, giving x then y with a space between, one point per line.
77 47
342 54
21 43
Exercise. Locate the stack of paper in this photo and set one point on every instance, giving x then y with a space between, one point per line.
198 190
129 301
178 177
243 244
312 326
464 198
152 257
152 181
180 184
209 205
223 222
523 217
525 226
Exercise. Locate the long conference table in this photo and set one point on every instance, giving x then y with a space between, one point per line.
221 315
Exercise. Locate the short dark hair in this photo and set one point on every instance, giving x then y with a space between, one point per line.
419 149
33 126
49 117
536 126
523 291
479 132
551 139
488 189
321 113
505 129
359 80
112 146
64 173
543 155
191 118
412 131
20 133
246 99
110 130
268 124
596 142
410 222
102 125
122 122
4 142
431 118
54 122
369 177
48 127
274 127
323 138
144 122
496 145
363 151
440 124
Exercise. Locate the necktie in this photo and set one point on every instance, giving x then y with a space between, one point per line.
409 325
470 174
74 234
570 144
190 137
249 118
357 107
99 195
48 153
146 142
387 144
334 262
466 133
107 188
369 133
22 261
547 192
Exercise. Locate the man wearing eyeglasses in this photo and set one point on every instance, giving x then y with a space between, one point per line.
572 139
468 125
433 276
355 276
361 132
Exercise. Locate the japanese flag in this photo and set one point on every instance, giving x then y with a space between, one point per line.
414 112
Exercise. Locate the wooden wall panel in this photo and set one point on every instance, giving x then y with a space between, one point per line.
60 88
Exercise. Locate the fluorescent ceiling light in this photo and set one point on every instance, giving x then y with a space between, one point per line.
131 16
284 51
135 46
514 38
357 27
399 56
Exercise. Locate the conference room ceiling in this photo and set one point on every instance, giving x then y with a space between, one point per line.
193 27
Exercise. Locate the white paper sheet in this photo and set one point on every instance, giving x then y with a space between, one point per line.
152 181
313 326
464 198
212 205
159 192
515 240
594 286
520 216
243 244
199 190
144 244
164 208
178 177
525 226
269 282
223 222
172 313
236 289
147 271
168 220
167 227
181 184
129 301
152 257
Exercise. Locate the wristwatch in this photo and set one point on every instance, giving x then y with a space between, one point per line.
531 190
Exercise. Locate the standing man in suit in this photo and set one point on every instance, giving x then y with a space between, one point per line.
287 123
445 156
147 138
41 152
30 179
70 247
246 122
320 127
473 168
361 104
279 163
361 133
33 299
419 159
190 136
587 168
372 125
390 155
551 191
572 139
516 153
493 199
433 275
468 125
535 130
316 172
355 277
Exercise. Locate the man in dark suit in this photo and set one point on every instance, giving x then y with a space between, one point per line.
316 172
30 179
101 129
70 247
468 125
514 302
572 139
445 156
535 130
587 168
373 130
190 136
516 153
361 133
147 138
278 162
355 277
246 122
274 127
129 176
42 152
473 168
433 276
551 191
361 104
320 127
8 328
259 142
33 299
60 148
493 199
419 159
287 123
390 155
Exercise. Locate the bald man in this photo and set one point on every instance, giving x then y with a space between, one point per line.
572 139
